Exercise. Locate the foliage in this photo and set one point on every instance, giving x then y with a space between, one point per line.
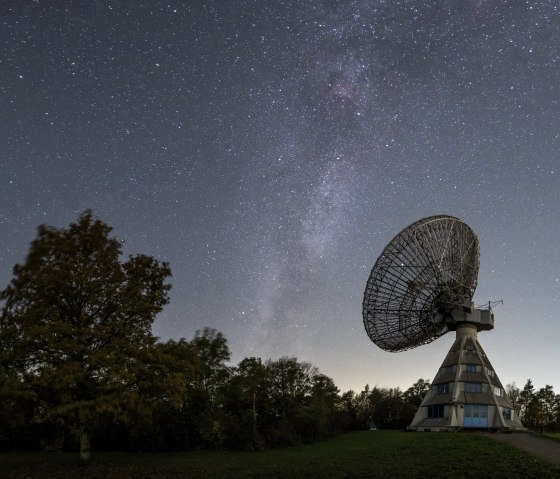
246 405
538 410
386 408
416 393
78 360
75 329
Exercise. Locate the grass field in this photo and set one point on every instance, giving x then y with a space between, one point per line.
553 435
374 454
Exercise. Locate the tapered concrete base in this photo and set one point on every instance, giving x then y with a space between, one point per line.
466 391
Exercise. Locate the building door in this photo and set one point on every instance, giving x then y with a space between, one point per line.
475 415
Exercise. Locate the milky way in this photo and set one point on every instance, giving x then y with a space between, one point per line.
270 150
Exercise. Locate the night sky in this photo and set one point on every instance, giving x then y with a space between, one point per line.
269 150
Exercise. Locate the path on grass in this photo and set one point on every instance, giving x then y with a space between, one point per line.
539 446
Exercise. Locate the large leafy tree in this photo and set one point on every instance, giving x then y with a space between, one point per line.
204 399
75 325
290 384
548 408
321 407
162 388
245 402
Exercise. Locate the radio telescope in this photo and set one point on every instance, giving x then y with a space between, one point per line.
420 288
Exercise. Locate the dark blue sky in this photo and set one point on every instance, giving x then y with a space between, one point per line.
270 150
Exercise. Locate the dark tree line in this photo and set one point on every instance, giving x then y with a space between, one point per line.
185 396
80 367
538 410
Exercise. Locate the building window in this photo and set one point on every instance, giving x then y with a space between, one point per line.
506 413
435 411
473 387
443 388
497 391
448 369
489 371
471 368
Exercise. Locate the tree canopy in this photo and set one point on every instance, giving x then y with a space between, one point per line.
79 362
76 323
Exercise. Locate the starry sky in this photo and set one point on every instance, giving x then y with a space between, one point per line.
270 150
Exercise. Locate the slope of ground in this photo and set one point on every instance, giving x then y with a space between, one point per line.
379 454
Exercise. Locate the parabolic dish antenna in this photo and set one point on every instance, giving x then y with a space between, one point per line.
421 287
425 271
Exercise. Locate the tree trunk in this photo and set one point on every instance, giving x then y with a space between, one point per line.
254 415
85 451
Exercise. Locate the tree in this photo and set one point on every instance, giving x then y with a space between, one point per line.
548 407
162 386
415 394
347 417
389 408
290 383
16 407
289 386
203 405
528 405
76 323
245 402
322 407
514 395
213 352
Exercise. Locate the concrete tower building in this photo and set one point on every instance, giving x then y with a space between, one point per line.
420 288
466 391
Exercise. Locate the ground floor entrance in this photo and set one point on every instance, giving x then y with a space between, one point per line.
475 415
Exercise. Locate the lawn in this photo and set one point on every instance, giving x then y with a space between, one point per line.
553 435
375 454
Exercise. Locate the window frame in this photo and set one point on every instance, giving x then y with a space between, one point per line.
436 411
442 388
472 387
